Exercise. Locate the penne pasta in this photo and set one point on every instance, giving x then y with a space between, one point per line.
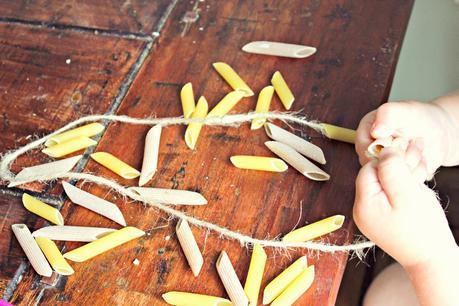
87 130
96 204
263 103
232 78
282 90
280 282
255 274
189 246
226 104
230 280
54 256
315 230
374 149
116 165
42 209
299 144
51 169
169 196
31 249
72 233
338 133
193 129
104 244
296 289
69 146
187 98
150 154
258 163
193 299
279 49
297 161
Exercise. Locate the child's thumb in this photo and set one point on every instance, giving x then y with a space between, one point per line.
395 177
390 117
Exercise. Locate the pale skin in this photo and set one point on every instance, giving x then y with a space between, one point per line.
395 209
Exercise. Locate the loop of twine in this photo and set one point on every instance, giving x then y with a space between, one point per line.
227 120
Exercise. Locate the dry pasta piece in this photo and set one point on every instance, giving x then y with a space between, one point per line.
54 256
193 129
31 249
96 204
193 299
169 196
297 161
263 103
189 246
338 133
255 274
296 289
72 233
232 78
279 49
315 230
259 163
51 169
150 154
230 280
226 104
280 282
187 98
299 144
104 244
42 209
116 165
282 90
87 130
69 146
374 149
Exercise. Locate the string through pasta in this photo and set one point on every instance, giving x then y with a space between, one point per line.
227 120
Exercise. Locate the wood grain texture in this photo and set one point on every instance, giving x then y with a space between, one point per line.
357 43
136 16
40 92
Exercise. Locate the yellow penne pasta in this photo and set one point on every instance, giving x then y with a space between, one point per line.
116 165
338 133
187 97
54 256
104 244
278 284
263 103
69 146
282 90
255 274
193 129
232 78
259 163
226 104
315 229
296 289
193 299
42 209
87 130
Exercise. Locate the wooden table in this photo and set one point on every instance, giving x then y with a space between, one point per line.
63 60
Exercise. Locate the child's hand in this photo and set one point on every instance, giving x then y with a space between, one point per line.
397 211
410 120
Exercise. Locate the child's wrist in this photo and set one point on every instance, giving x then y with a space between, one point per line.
450 127
443 259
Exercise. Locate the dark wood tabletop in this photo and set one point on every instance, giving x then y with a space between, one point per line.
60 60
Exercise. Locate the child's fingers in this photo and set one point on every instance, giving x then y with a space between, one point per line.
420 173
413 153
395 177
391 118
367 183
363 137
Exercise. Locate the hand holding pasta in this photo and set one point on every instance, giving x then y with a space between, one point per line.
398 212
429 121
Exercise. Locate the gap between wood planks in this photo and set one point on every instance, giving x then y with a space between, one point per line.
126 84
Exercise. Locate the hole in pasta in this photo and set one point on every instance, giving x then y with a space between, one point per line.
306 52
280 165
246 92
20 226
130 175
339 220
64 271
317 176
378 148
51 142
60 219
268 130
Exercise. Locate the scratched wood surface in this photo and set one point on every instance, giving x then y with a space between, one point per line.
358 44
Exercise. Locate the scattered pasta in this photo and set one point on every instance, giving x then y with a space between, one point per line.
315 230
230 280
282 90
116 165
255 274
193 129
87 130
72 233
169 196
226 104
296 288
104 244
150 154
189 246
338 133
187 98
193 299
69 146
54 256
258 163
263 103
232 78
279 49
42 209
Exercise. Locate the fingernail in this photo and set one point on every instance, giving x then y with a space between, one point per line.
380 130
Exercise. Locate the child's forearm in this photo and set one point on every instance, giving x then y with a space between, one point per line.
436 281
450 105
